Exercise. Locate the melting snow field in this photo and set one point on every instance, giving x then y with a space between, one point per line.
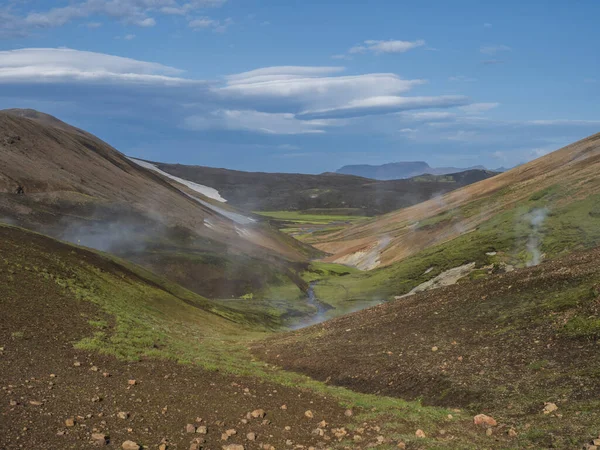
201 189
209 192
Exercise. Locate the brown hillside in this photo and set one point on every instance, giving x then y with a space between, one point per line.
58 163
503 346
396 236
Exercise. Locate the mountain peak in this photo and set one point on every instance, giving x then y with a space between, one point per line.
399 170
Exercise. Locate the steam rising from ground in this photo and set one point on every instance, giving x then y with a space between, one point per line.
116 237
536 219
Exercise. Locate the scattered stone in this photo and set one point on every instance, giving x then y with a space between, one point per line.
35 403
224 436
357 438
309 414
231 432
339 432
348 413
550 408
251 436
70 422
99 439
13 403
94 369
512 432
318 432
284 407
322 424
190 428
202 430
130 445
123 415
489 432
163 447
106 374
96 399
287 428
258 413
434 349
483 420
596 442
420 434
132 382
233 447
401 445
77 364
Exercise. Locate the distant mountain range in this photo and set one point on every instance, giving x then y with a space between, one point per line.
406 169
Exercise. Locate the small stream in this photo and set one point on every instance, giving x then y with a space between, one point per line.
321 309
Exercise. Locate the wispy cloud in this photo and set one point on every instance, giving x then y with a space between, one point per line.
554 122
268 123
212 24
133 12
494 49
476 108
390 46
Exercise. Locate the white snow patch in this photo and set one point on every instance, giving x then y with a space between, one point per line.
201 189
238 218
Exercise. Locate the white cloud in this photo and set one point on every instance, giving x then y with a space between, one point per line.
129 37
427 116
52 65
275 100
146 23
203 22
208 23
487 25
269 123
282 72
307 89
135 12
559 122
493 49
385 105
476 108
391 46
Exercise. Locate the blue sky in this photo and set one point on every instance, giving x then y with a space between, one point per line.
310 86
